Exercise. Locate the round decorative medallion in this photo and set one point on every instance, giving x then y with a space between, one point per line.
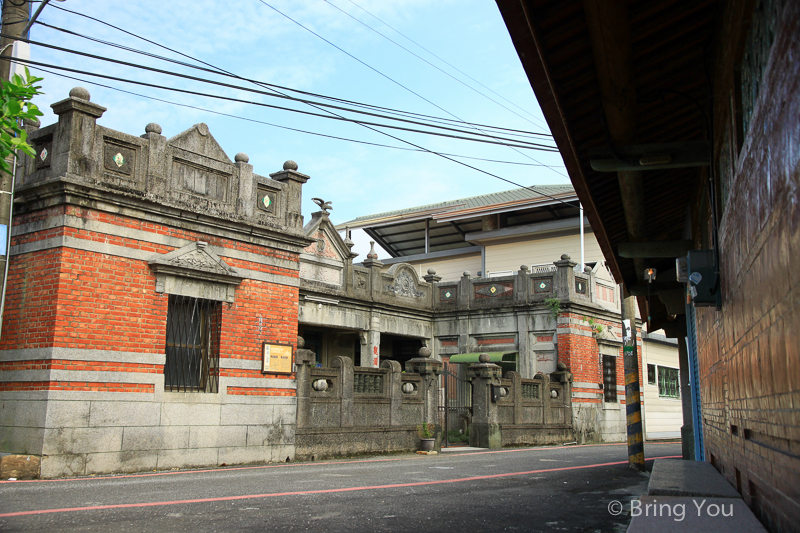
44 154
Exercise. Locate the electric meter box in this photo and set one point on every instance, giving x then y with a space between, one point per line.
703 277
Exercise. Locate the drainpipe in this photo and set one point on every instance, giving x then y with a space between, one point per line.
583 256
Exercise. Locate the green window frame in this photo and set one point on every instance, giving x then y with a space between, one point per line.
668 382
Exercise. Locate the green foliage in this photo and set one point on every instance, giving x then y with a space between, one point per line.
16 98
597 329
426 430
554 304
455 436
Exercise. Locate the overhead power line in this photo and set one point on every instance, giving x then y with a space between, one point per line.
525 144
379 72
388 134
445 61
272 86
248 119
421 58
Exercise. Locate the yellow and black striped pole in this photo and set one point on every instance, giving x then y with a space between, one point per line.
633 406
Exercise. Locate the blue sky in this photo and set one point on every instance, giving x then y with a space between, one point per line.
252 40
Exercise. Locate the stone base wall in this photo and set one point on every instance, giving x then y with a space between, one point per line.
594 422
532 435
313 444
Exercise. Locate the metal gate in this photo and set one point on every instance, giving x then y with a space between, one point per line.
455 400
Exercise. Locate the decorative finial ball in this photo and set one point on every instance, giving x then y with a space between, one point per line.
432 271
290 165
153 128
561 367
241 157
484 358
524 268
80 92
467 273
301 342
565 257
587 269
202 129
424 352
33 122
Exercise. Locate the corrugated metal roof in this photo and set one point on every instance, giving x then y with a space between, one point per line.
484 200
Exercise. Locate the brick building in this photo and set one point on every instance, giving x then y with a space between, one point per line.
678 124
147 273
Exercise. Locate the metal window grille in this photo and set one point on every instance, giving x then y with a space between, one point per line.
192 347
668 382
610 378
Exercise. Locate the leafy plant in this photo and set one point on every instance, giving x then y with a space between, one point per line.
454 436
554 304
598 330
16 96
426 430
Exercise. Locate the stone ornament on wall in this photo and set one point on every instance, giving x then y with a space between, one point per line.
542 285
266 200
405 285
197 272
118 158
448 294
492 290
580 286
43 154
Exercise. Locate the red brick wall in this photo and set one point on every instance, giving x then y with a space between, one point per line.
71 298
749 356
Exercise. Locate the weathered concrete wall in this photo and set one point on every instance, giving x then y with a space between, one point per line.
346 410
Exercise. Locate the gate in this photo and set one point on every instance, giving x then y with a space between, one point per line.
455 405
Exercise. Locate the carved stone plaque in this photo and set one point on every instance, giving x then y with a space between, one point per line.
118 158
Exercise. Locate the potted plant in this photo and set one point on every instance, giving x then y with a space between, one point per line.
426 434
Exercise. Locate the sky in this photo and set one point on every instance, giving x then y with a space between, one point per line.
252 39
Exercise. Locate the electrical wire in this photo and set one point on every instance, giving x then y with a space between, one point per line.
238 87
379 72
448 64
260 83
238 117
399 139
519 144
422 58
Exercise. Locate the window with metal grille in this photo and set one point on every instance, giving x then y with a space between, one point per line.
668 382
609 378
192 348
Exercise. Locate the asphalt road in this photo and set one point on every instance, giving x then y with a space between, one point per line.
527 489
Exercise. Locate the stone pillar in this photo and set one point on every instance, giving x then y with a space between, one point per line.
74 150
429 369
521 284
565 378
433 279
485 432
156 180
345 392
564 279
394 383
304 361
687 430
465 289
246 202
370 355
292 193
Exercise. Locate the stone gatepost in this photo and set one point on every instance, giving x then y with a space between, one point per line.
429 369
304 361
345 392
564 279
485 432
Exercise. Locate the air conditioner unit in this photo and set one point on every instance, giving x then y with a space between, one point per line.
704 283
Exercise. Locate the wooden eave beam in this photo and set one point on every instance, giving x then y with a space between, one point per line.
525 37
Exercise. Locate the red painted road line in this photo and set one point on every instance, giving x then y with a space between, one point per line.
125 476
321 491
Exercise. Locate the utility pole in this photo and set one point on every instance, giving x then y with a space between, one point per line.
633 406
15 21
